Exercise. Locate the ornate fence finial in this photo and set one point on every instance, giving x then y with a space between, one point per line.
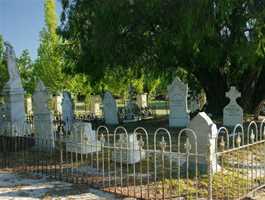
238 140
163 144
252 136
141 142
222 143
187 145
102 139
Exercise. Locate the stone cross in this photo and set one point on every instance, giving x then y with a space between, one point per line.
233 94
232 112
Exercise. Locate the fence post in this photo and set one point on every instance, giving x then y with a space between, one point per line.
210 173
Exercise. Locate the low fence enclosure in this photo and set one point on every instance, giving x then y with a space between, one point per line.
145 165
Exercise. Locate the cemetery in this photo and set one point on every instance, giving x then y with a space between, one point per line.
143 109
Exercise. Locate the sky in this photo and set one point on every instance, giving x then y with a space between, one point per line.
21 22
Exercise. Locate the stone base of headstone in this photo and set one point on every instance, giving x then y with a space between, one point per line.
128 156
128 151
13 110
83 139
44 131
44 144
82 148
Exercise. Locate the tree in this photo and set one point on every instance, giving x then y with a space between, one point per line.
3 67
49 62
26 70
219 43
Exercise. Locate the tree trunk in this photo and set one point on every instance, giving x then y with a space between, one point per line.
214 85
253 92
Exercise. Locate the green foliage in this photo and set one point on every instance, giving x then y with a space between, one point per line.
79 85
3 68
48 66
218 43
26 70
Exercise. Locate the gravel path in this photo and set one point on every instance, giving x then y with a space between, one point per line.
33 187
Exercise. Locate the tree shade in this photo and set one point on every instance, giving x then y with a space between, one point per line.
221 43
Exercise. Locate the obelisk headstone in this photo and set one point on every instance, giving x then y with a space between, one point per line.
13 92
43 118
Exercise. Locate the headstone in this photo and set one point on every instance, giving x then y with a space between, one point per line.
57 103
131 109
95 105
179 114
127 150
232 113
110 109
43 123
13 92
142 100
67 111
194 104
83 139
29 105
206 132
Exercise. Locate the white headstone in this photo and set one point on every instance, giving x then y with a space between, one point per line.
83 139
29 105
232 113
142 100
127 150
13 92
67 111
95 105
110 109
179 114
43 118
206 132
57 103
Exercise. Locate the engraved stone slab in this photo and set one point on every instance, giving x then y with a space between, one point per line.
232 113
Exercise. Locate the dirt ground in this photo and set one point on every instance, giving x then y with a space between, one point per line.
23 186
33 187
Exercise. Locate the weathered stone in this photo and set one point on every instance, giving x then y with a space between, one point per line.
67 111
83 139
232 113
206 133
127 150
110 109
179 114
43 118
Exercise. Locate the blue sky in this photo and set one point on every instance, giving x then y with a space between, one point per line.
21 21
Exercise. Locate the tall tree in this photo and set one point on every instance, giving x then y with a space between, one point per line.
49 62
220 43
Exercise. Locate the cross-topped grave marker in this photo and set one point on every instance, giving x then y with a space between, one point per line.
233 94
233 113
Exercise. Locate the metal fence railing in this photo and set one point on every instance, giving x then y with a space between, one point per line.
145 165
